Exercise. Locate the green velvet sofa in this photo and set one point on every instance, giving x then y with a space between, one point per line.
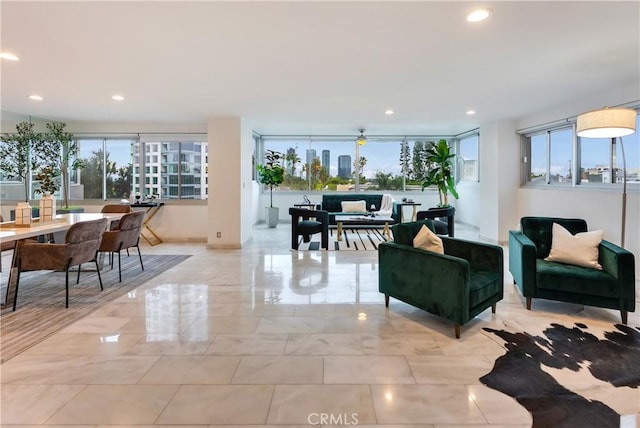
613 287
457 286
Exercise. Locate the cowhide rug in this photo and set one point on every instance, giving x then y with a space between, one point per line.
519 373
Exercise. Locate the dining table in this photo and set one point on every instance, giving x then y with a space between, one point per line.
9 231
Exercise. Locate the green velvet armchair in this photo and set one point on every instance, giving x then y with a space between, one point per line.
612 287
457 286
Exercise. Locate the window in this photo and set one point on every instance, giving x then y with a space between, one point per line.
557 157
468 161
108 169
179 171
329 164
601 159
92 175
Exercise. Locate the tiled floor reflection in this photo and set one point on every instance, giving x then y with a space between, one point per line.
264 336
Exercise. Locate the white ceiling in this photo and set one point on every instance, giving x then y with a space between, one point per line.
313 67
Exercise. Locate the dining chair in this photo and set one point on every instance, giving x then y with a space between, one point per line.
115 208
81 246
5 245
127 235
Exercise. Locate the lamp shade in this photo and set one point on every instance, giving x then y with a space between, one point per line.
606 123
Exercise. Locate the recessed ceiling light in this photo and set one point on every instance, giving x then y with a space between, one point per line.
35 97
478 15
9 56
388 112
471 112
117 98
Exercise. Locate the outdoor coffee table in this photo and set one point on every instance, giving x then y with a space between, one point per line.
362 220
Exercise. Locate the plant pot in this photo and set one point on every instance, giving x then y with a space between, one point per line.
23 214
272 215
47 206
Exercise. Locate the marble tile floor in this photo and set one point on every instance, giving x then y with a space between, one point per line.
265 336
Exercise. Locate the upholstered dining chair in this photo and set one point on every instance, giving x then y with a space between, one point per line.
116 208
125 236
5 246
81 246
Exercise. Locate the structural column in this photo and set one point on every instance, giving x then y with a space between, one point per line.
499 180
229 175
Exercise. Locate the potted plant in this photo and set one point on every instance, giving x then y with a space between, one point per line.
48 186
272 175
440 172
59 151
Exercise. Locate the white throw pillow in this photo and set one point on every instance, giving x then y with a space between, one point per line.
580 249
427 240
354 206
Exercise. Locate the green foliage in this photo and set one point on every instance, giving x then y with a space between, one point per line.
419 167
121 186
16 157
440 173
405 159
47 176
386 181
272 172
292 159
59 151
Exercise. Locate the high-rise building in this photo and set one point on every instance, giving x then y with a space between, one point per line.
344 166
326 160
311 155
289 164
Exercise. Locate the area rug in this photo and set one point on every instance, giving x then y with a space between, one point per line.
41 311
353 239
606 356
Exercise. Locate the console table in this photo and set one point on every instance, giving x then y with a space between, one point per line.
152 209
415 206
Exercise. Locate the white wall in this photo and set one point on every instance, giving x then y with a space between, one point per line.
467 205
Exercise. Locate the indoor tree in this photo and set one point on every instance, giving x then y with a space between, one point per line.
60 151
440 173
16 157
271 174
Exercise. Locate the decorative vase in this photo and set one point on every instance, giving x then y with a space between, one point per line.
23 214
47 208
272 214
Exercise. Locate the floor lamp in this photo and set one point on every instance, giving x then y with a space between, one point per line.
610 123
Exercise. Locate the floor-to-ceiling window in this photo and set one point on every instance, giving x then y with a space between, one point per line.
318 163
